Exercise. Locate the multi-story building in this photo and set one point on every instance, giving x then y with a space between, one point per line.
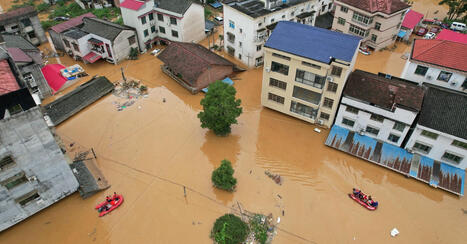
439 62
376 21
379 106
56 31
23 21
162 21
305 71
441 132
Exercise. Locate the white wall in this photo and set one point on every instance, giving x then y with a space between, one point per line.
130 18
439 146
192 24
121 47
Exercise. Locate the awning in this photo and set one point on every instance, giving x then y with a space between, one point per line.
53 76
401 34
92 57
227 81
304 15
96 41
216 4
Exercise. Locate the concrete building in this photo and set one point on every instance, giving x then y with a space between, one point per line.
194 66
97 39
440 132
248 24
98 4
305 71
56 31
377 22
439 62
162 21
379 106
24 22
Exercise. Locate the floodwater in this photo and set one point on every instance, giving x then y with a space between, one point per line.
152 150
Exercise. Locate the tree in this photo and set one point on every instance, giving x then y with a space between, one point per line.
229 229
220 109
457 8
222 177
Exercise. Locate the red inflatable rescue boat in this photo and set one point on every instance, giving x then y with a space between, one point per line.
106 206
364 200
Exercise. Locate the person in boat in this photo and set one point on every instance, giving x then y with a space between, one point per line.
374 204
115 196
108 199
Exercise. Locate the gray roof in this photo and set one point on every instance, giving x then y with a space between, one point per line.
445 110
103 28
324 20
75 33
176 6
256 8
18 42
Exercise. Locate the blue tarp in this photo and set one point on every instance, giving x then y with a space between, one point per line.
216 4
401 34
226 80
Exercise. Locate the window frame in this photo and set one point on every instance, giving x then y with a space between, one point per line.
341 21
418 149
344 119
429 134
336 71
397 124
451 157
328 102
280 68
143 20
174 33
277 83
394 135
417 70
276 98
371 130
326 116
161 30
459 144
442 73
332 87
351 109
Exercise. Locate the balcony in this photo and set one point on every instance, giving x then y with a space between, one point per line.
303 110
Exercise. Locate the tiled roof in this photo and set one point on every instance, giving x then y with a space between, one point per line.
411 19
75 33
445 110
18 55
384 92
373 6
441 52
8 81
71 23
19 42
132 4
103 28
17 13
176 6
450 35
190 59
311 42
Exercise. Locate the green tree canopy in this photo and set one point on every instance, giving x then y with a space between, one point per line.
229 229
457 8
220 108
222 177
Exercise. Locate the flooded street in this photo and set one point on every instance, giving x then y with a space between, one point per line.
152 149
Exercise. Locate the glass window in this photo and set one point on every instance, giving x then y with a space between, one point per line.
459 144
258 48
429 134
452 157
146 33
324 116
275 98
25 199
280 56
309 78
336 71
173 21
362 18
143 20
341 21
377 26
303 110
351 109
344 9
153 29
393 138
377 117
151 16
15 109
280 68
15 180
399 126
358 31
311 65
131 39
6 162
444 76
306 95
231 24
421 147
160 17
374 37
348 122
328 102
67 43
421 70
75 46
372 130
161 29
277 83
174 33
332 87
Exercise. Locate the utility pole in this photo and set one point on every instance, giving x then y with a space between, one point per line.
123 75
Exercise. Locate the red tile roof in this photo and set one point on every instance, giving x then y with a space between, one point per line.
411 19
17 12
450 35
373 6
71 23
132 4
8 81
18 55
441 52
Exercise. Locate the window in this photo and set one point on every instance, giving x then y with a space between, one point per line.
258 48
75 46
429 134
393 138
372 130
173 21
26 22
309 78
344 9
277 83
280 56
283 16
15 180
377 26
328 102
444 76
377 117
241 30
421 147
358 31
240 44
161 29
25 199
336 71
341 21
399 126
240 56
452 157
324 116
131 40
332 87
303 110
160 17
153 29
306 95
454 143
15 109
146 33
174 33
151 16
323 8
31 35
143 20
374 37
275 98
362 19
231 24
67 43
280 68
421 70
351 110
348 122
2 28
5 162
230 37
311 65
259 24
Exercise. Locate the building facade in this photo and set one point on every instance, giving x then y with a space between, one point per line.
56 31
23 21
379 106
378 23
440 132
304 77
425 64
162 21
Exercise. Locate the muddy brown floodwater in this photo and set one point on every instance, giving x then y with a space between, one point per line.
150 150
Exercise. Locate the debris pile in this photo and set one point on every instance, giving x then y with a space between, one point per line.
131 90
277 178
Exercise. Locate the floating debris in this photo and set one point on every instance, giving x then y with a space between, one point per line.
277 178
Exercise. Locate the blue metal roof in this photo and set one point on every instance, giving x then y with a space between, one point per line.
312 42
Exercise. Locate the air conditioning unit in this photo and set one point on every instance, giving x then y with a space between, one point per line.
267 69
409 150
32 178
329 79
361 132
320 122
429 77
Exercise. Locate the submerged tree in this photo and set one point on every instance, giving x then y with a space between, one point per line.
229 229
220 108
222 177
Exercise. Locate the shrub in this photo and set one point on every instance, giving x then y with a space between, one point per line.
229 229
133 53
119 21
222 177
43 7
48 23
259 228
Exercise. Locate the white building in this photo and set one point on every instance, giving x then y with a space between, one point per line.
439 62
379 106
248 24
441 130
159 21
